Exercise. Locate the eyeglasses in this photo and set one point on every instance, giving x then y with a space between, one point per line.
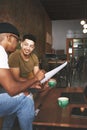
18 39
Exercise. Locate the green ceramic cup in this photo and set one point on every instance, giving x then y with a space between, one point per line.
52 83
63 101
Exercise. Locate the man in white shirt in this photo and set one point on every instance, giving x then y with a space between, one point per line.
12 100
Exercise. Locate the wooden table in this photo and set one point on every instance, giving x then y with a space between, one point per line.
56 61
51 115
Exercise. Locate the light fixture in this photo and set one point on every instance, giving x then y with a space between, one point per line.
82 22
84 30
85 25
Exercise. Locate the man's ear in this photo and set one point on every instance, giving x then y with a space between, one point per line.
34 48
21 44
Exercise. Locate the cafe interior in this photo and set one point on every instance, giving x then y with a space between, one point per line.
61 30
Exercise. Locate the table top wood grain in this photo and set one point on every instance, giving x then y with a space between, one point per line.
51 114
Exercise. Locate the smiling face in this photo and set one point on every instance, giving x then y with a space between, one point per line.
27 46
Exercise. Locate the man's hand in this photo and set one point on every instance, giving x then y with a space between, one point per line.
40 75
37 86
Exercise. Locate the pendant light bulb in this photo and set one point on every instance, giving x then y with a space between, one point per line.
84 30
85 25
82 22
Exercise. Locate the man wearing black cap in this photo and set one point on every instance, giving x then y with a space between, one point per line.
24 64
13 100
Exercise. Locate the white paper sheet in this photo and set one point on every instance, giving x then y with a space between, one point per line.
51 73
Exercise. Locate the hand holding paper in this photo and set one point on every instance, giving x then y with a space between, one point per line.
51 73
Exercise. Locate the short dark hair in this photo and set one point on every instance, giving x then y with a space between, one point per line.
30 37
8 28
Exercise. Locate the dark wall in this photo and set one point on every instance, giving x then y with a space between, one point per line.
28 16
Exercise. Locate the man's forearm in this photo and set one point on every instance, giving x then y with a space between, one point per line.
13 86
18 87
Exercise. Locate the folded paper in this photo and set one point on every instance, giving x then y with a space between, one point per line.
51 73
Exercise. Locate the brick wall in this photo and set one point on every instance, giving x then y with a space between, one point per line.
28 16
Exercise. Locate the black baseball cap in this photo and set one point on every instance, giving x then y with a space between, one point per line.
30 37
8 28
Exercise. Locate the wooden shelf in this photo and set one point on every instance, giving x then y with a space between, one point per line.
76 47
